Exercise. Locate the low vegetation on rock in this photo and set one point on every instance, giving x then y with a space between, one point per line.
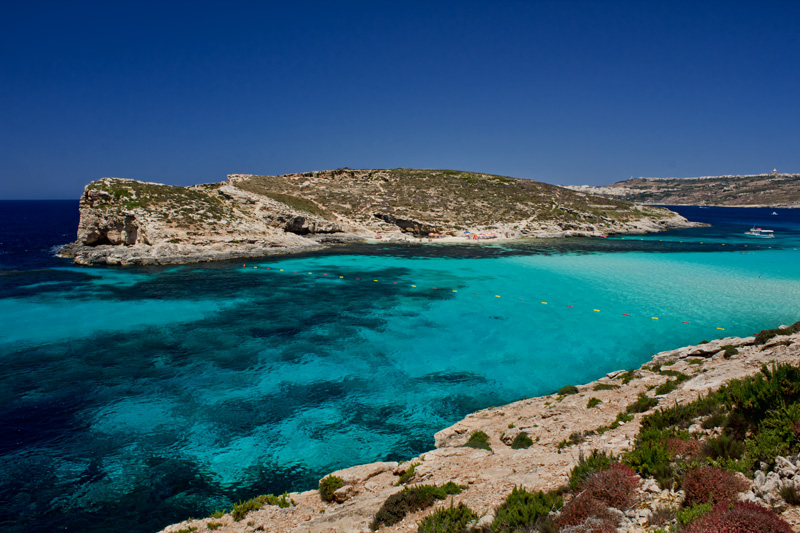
478 440
328 485
411 499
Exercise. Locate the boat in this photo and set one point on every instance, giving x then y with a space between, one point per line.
774 212
761 233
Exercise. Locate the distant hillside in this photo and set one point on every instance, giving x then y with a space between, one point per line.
769 190
125 221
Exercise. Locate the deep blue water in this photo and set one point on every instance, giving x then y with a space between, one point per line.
136 397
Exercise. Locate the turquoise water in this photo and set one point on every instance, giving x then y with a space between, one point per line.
133 398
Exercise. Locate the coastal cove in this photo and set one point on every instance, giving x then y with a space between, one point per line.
135 397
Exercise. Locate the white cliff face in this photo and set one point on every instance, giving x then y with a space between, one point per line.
131 222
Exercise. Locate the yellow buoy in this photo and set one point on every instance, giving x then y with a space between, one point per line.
654 317
723 329
596 310
544 303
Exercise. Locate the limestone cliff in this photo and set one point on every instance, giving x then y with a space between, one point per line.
131 222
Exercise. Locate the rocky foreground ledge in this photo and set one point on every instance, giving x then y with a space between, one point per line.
561 427
125 221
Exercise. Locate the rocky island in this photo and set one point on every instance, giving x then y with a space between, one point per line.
125 221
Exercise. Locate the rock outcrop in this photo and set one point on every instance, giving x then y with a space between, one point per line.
560 428
131 222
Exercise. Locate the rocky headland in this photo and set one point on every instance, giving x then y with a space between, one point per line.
560 430
756 190
125 221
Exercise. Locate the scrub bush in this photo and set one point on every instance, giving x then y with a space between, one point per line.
411 499
739 517
447 520
615 486
328 485
708 484
526 511
242 508
666 387
479 440
643 403
521 441
567 390
725 446
763 336
690 514
593 402
587 466
686 449
584 507
651 458
604 386
730 351
408 474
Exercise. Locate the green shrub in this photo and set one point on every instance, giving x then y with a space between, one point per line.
214 525
690 514
218 514
682 416
448 520
479 440
411 499
593 402
408 474
726 446
715 420
680 377
604 386
521 441
651 459
730 351
574 438
526 511
187 529
628 376
666 387
763 336
242 508
586 466
643 403
697 361
329 485
567 390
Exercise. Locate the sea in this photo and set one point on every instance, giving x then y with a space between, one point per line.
135 397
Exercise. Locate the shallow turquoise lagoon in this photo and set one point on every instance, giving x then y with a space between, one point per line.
147 395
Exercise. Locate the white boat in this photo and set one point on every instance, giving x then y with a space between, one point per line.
761 233
774 212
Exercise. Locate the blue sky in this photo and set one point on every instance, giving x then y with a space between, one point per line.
562 92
